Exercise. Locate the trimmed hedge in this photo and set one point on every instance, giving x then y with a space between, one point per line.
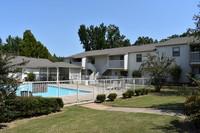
28 107
125 95
101 98
112 96
138 92
142 91
130 93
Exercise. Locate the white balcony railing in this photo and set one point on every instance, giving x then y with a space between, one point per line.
77 63
116 64
194 56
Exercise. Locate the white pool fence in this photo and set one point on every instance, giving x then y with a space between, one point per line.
81 90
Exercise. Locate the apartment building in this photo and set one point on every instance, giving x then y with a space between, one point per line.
122 61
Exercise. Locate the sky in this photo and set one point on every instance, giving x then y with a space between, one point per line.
55 23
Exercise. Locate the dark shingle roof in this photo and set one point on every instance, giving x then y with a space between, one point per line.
133 49
116 51
39 62
177 41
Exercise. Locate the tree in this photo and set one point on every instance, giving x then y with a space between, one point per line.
12 44
30 47
158 67
115 39
1 44
175 72
144 40
9 73
101 37
170 37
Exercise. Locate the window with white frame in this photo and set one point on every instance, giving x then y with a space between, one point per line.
138 57
176 51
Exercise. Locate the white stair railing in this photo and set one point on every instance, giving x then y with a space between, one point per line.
90 66
103 69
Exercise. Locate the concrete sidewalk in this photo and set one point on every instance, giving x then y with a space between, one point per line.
136 110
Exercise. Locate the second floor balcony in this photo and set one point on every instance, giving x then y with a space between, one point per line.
116 64
195 56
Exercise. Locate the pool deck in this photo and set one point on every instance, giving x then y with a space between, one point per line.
92 89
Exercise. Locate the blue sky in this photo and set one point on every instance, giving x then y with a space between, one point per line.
56 22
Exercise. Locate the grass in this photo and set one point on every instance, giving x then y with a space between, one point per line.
166 99
82 120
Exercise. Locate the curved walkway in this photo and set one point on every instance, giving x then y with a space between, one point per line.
137 110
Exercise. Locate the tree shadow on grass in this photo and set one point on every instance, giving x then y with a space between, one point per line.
2 126
171 106
177 126
167 93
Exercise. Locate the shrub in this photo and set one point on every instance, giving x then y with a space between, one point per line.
136 74
175 72
143 91
146 91
112 96
30 77
29 106
130 93
138 92
125 95
101 98
192 109
187 105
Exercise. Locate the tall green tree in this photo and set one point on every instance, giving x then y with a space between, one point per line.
196 31
30 47
101 37
144 40
1 44
115 39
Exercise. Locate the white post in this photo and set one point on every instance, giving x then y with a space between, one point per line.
69 73
47 74
104 87
58 84
134 83
29 88
77 93
110 86
57 74
93 93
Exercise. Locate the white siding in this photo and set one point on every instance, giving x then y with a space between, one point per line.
133 64
83 62
100 61
126 61
75 73
182 60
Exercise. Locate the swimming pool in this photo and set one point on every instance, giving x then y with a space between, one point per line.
52 91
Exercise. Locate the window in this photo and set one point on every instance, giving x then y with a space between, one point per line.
196 70
121 57
176 51
139 57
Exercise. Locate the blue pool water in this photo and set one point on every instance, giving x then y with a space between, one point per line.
52 91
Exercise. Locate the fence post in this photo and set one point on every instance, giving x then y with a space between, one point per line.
93 93
29 88
134 83
58 84
77 93
110 86
103 86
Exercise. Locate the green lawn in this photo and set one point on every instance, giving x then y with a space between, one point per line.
166 99
82 120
